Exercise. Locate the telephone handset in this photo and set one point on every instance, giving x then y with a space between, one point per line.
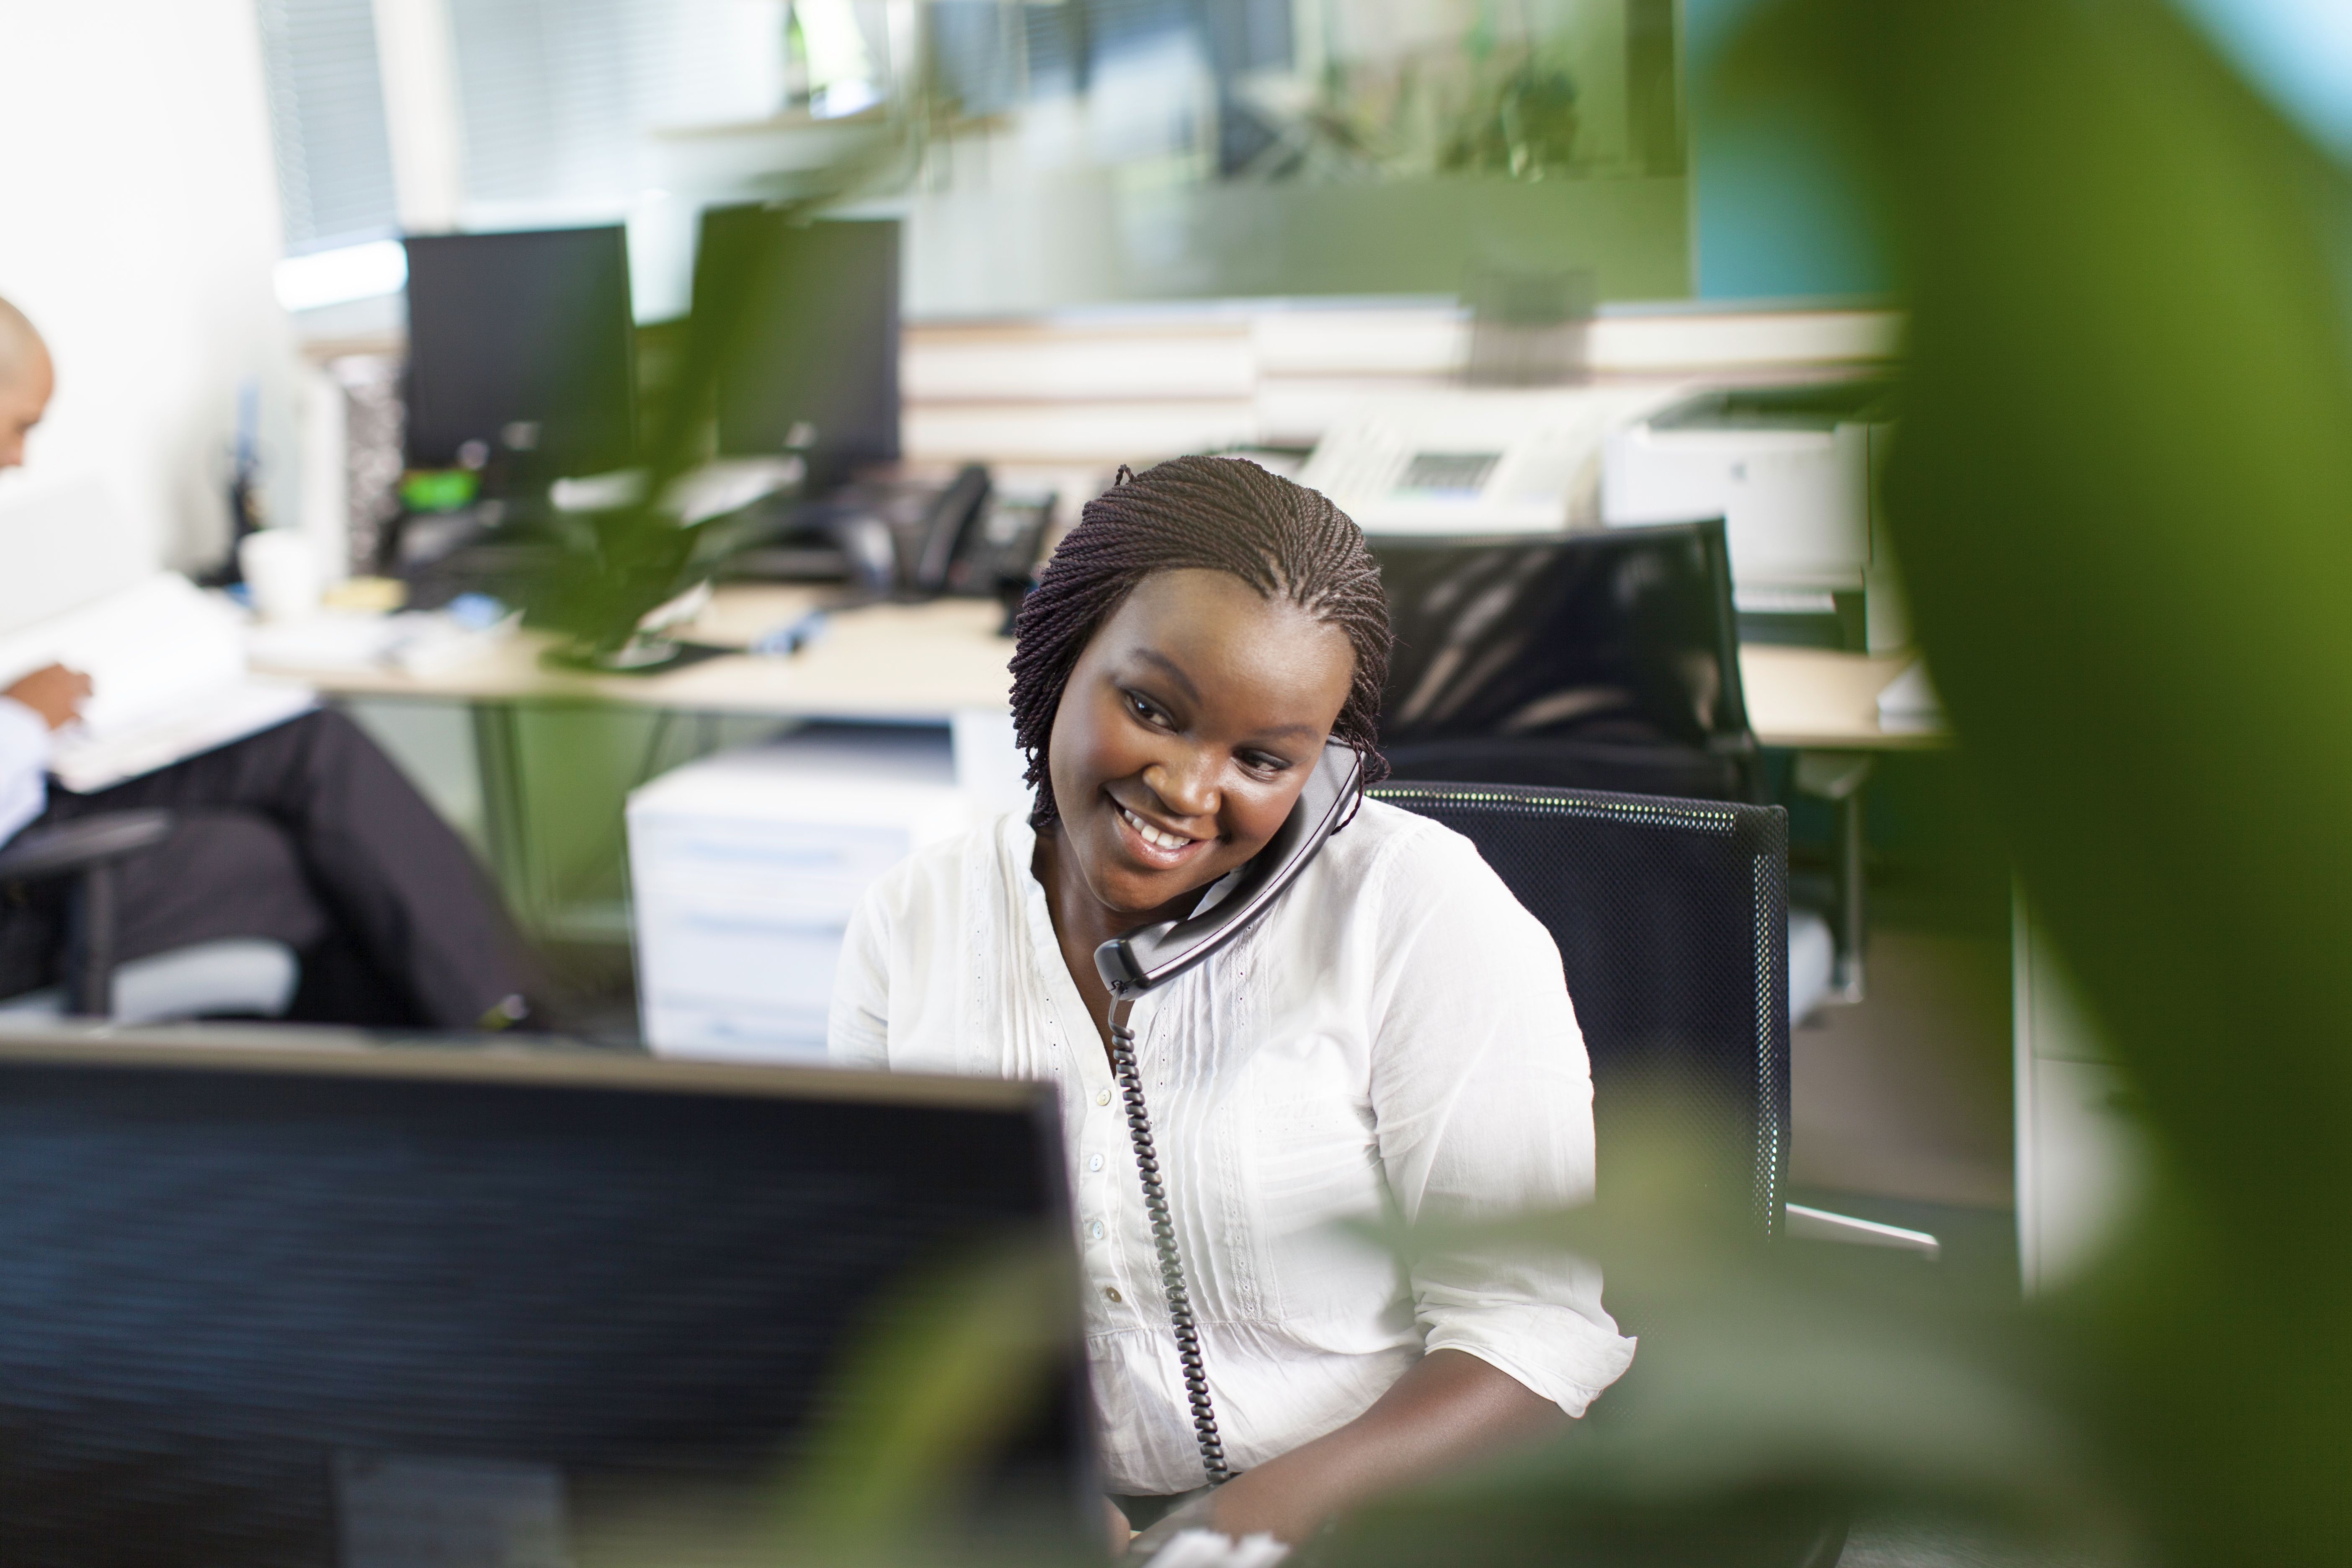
946 526
971 540
1136 962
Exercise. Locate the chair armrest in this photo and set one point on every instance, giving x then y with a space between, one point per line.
78 846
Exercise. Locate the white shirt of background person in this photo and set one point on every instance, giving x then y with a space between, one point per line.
46 700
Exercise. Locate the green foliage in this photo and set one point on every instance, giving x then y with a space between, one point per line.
903 1469
924 1400
1778 1387
1525 126
2121 496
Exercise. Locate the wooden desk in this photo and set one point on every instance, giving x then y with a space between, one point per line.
926 662
1809 698
909 662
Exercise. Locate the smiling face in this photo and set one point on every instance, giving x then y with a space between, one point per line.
1187 730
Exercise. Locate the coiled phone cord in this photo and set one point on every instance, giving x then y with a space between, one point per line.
1164 1239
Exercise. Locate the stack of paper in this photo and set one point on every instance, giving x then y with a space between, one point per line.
415 642
166 663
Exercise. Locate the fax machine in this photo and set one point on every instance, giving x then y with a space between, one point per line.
1477 460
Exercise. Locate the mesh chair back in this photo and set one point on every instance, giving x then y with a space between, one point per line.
1672 921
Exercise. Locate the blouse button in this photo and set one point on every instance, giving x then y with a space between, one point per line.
1102 1097
1112 1292
1094 1162
1096 1230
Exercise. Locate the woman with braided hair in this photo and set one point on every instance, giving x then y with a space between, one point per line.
1392 1036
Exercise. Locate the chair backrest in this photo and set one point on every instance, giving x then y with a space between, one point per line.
1672 921
1601 660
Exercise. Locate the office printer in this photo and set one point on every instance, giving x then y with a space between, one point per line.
1792 471
1476 461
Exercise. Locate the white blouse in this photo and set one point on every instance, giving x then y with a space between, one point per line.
1393 1037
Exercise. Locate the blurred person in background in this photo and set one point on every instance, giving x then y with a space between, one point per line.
305 834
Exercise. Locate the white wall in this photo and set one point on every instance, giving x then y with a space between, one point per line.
138 228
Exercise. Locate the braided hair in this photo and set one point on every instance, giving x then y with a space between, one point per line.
1222 514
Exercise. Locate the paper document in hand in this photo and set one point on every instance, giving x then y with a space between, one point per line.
84 763
168 680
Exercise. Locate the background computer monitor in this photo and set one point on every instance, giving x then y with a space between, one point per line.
800 320
259 1304
523 343
1605 662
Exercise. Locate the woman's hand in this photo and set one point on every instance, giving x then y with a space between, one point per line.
1448 1411
55 692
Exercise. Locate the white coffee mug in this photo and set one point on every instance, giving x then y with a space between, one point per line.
281 573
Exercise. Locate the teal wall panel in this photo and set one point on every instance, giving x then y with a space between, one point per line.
1776 212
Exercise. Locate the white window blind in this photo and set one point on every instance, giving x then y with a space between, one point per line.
327 120
559 97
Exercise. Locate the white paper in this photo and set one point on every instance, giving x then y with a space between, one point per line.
84 763
147 650
1909 702
417 643
166 663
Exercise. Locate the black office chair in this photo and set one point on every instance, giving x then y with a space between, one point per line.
1671 920
1605 662
242 977
1669 916
1589 661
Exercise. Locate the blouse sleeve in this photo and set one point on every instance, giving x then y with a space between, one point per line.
1483 1101
857 1029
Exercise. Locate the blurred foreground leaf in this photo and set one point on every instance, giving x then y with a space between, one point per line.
1779 1386
908 1464
2122 491
923 1405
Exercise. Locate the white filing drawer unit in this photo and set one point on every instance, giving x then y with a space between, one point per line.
746 866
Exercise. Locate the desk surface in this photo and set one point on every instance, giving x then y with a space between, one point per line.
1808 697
885 661
926 662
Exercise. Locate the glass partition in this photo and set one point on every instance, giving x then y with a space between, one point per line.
1098 151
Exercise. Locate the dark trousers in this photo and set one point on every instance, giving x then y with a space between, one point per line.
308 835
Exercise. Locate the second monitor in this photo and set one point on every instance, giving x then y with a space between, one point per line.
800 320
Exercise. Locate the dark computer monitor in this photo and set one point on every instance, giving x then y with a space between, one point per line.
522 343
800 320
1605 662
304 1305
